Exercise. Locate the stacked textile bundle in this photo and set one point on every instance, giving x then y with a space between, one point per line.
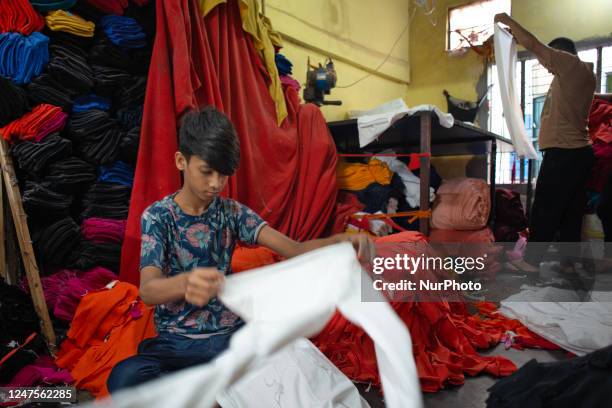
71 102
460 215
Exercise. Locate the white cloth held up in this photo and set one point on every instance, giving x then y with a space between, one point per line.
505 58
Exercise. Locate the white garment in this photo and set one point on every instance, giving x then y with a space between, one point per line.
579 327
371 124
283 302
505 58
297 376
411 182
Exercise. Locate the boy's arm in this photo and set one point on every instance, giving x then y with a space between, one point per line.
196 287
286 247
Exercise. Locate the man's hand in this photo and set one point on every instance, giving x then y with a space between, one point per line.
503 18
363 244
202 285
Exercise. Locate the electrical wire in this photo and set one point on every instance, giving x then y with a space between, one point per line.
428 13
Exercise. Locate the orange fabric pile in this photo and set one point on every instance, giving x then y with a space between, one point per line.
107 328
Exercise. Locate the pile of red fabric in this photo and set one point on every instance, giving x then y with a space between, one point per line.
600 130
35 125
19 16
444 340
600 121
472 244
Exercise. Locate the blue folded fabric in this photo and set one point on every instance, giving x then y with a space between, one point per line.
117 173
284 66
23 57
49 5
123 31
89 102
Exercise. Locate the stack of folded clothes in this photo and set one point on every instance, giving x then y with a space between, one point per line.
124 32
96 136
19 16
23 57
33 157
35 125
70 175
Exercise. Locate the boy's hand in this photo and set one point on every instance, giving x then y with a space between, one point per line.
363 244
503 18
202 285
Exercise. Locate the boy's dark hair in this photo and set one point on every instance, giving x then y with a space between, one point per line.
210 135
563 44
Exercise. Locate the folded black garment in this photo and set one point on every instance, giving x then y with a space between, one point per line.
105 53
41 93
40 202
17 316
105 211
106 201
13 101
68 51
33 157
88 255
70 175
82 125
132 94
85 10
108 194
66 39
57 241
108 79
95 135
129 146
68 65
130 117
102 148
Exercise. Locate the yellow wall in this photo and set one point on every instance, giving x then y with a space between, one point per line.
433 70
363 31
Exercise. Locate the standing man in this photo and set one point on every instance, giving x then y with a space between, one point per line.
560 195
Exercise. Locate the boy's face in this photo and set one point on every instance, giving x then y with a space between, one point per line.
203 181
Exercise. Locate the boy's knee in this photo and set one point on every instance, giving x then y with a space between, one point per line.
131 372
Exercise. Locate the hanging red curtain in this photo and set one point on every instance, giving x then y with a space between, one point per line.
181 78
287 172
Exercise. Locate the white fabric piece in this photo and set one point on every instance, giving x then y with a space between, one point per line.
297 376
411 182
371 124
579 327
505 58
283 302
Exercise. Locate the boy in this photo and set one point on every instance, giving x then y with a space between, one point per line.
187 244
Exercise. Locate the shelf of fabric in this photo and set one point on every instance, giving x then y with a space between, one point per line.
422 133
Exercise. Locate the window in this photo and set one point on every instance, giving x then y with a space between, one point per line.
473 23
536 82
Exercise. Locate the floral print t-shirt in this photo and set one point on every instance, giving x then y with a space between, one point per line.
177 242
